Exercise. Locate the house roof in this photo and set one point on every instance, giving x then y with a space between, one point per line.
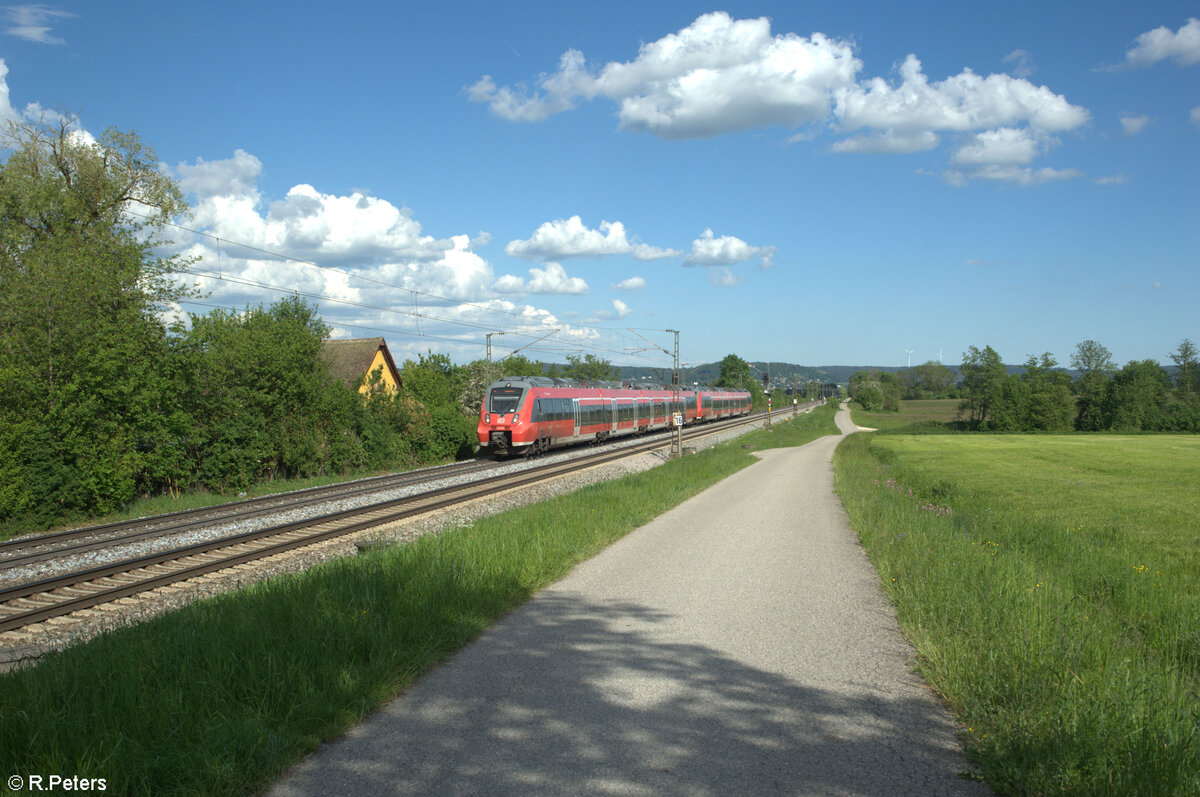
350 358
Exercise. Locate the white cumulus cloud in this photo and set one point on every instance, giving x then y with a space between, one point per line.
631 284
552 279
236 176
720 75
354 229
709 250
715 76
7 113
565 238
1181 46
1004 145
962 103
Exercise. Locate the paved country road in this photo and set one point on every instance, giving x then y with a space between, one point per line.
739 644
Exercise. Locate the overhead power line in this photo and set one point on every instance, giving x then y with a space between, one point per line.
415 314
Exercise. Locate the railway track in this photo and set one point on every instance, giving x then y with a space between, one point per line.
27 550
34 602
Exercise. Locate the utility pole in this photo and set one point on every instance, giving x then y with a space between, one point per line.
489 343
767 393
676 418
677 440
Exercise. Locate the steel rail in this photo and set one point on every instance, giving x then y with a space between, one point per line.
185 520
340 523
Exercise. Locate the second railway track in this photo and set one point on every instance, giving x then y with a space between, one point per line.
34 602
22 551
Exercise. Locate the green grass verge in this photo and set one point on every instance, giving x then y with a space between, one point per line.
222 696
1051 586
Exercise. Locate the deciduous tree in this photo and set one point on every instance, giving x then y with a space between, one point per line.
1047 397
983 382
589 368
736 373
81 348
929 380
1097 365
1135 398
1184 411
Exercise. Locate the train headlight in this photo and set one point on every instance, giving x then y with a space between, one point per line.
516 418
487 418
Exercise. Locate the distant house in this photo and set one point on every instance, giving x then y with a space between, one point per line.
354 360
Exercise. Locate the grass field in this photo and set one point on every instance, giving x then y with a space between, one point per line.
923 412
1051 586
223 695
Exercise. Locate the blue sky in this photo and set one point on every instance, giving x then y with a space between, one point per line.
819 185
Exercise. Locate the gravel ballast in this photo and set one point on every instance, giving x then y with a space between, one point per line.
24 645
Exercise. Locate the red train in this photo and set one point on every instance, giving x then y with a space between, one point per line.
532 414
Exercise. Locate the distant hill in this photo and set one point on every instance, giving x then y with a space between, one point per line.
781 373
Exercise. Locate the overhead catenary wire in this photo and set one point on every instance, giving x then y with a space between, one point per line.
409 333
333 269
568 346
416 314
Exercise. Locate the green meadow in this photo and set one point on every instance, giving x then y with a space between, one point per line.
916 413
1051 587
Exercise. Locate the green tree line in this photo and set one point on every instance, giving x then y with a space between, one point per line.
1139 397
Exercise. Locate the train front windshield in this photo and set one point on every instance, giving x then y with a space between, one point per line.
504 400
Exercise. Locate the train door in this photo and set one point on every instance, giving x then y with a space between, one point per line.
575 414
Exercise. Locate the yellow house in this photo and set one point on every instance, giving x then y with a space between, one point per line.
353 360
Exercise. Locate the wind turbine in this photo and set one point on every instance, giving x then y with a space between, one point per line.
909 352
940 357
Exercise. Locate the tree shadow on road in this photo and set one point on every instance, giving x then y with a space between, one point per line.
566 696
